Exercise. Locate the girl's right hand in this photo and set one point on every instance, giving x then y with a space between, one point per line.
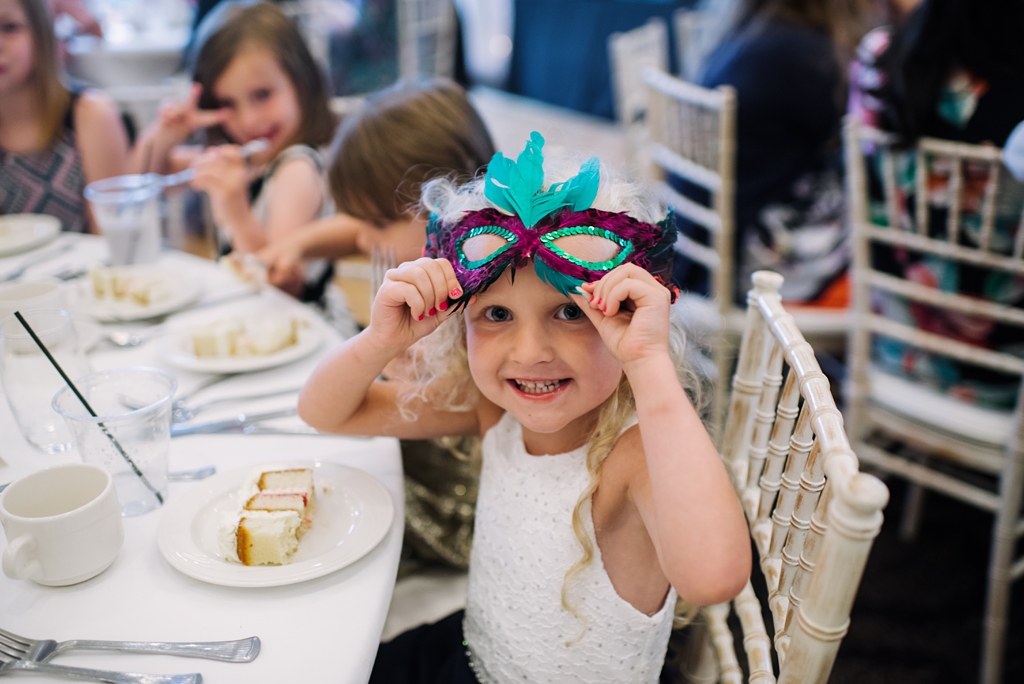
179 119
411 302
284 261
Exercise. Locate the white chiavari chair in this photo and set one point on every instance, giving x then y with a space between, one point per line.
692 137
629 53
970 438
426 39
813 516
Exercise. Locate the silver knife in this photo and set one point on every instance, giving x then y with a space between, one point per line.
236 424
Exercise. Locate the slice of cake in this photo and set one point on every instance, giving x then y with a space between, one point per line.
277 512
217 339
267 537
293 479
267 336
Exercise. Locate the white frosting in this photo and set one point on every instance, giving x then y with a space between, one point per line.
227 535
259 336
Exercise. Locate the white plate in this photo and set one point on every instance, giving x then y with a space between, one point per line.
22 232
352 517
178 346
185 289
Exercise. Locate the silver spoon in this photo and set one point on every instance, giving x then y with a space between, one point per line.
247 150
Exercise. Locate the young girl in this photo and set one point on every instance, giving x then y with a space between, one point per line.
601 494
52 141
255 79
381 155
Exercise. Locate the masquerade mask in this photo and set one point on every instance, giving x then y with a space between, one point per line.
569 242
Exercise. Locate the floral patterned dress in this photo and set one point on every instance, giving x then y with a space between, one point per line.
959 101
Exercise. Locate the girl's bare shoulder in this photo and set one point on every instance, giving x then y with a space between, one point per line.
96 111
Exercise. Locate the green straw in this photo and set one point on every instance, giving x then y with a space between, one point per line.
101 426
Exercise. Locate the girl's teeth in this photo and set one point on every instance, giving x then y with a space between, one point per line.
537 387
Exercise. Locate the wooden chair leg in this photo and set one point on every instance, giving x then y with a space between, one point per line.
910 523
1004 538
997 604
699 661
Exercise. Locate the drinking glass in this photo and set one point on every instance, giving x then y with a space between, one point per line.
127 210
29 379
131 444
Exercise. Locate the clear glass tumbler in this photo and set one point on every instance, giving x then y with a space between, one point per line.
130 434
127 209
29 379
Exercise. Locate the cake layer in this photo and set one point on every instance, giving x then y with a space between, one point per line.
273 500
267 537
293 480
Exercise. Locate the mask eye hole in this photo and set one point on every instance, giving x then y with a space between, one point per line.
480 247
588 248
483 244
596 249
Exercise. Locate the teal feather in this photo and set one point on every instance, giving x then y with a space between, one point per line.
563 283
527 179
497 181
516 186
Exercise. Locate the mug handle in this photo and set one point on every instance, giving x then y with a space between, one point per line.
18 562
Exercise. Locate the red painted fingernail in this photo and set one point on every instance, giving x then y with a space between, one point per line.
597 302
420 318
432 311
442 306
604 310
456 293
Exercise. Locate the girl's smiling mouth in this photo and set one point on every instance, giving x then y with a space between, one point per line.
539 389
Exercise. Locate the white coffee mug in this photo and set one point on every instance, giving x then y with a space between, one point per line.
41 293
63 524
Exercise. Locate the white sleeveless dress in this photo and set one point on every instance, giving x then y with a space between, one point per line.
515 627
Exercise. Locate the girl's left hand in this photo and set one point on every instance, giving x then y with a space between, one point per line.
630 310
221 172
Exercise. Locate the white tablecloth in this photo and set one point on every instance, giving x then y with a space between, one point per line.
323 630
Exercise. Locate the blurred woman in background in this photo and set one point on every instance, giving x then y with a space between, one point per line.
954 70
786 59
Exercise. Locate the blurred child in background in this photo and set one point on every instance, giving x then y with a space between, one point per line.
52 141
255 79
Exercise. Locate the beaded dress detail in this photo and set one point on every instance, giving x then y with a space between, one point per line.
515 626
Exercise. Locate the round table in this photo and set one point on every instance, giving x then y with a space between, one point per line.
321 630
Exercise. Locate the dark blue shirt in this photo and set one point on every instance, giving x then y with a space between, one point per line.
789 91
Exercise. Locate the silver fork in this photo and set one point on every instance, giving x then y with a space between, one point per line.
131 338
8 667
42 650
383 258
185 413
179 403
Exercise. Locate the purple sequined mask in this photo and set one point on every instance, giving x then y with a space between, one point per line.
569 242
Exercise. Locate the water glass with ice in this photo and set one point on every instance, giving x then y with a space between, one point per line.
29 379
131 444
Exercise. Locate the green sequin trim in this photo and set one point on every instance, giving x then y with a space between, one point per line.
627 246
508 235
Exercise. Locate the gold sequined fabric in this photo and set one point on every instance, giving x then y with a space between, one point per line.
441 481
